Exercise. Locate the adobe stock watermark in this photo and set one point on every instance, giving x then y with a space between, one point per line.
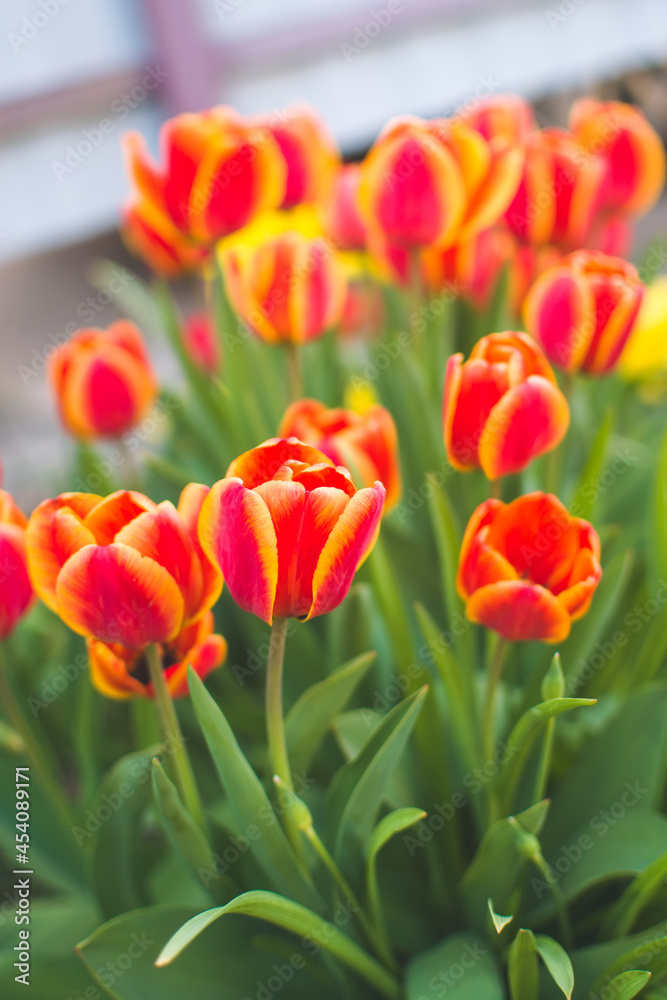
120 109
562 13
31 25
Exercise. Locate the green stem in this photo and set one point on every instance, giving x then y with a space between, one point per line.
488 729
560 904
544 764
275 724
173 736
33 750
294 372
496 489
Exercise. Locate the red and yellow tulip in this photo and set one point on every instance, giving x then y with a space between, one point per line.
528 569
366 443
103 381
16 593
502 408
470 269
119 672
289 289
583 310
122 569
151 235
288 529
201 342
504 116
344 224
631 149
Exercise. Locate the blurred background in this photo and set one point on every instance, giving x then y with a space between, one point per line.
75 74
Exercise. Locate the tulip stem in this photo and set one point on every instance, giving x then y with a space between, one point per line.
496 489
294 372
488 732
173 737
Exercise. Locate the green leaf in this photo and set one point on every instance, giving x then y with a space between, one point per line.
557 962
623 915
585 500
628 984
292 917
657 522
391 824
311 716
448 539
358 788
650 953
522 968
249 803
461 967
184 834
499 922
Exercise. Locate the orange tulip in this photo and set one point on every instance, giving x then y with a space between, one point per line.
201 342
583 310
122 569
151 235
503 116
288 529
365 443
119 672
559 192
103 381
632 151
470 269
219 172
432 183
309 151
16 593
528 569
503 407
345 227
289 289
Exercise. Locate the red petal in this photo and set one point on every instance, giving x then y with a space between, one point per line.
519 611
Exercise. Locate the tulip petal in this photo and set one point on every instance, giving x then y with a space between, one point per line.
519 611
262 463
471 392
112 513
285 501
345 548
16 591
237 533
484 515
529 420
189 508
203 657
55 531
114 594
109 673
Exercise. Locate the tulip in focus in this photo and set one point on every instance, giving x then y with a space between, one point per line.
288 529
120 673
502 408
122 569
583 310
218 171
16 593
288 290
103 381
366 443
528 569
309 151
559 193
632 151
201 342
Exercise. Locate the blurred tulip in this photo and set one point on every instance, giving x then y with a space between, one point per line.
364 310
504 116
308 149
16 593
582 311
122 569
119 672
366 443
528 263
288 290
502 408
559 192
632 151
431 183
345 226
201 342
219 171
152 236
288 529
103 381
645 354
472 268
528 569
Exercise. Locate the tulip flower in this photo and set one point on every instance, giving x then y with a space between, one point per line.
345 226
103 381
288 290
201 342
151 235
505 116
309 151
528 569
122 569
16 593
365 443
431 183
119 672
471 268
559 192
288 529
583 310
219 172
502 408
632 151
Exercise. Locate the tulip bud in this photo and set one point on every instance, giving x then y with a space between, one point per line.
103 381
583 310
502 408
